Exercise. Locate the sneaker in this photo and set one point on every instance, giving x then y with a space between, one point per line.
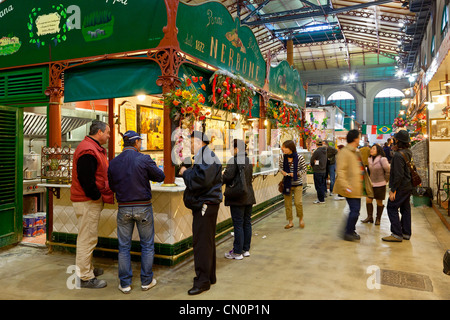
318 202
352 237
246 254
125 290
337 197
149 286
232 255
93 283
98 272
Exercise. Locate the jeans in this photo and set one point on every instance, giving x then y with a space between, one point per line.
332 172
320 183
400 227
126 218
241 216
355 207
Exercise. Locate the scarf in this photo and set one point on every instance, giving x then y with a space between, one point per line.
288 179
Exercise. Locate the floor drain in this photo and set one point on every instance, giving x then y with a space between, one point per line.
406 280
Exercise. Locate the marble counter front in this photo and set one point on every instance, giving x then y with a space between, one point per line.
172 220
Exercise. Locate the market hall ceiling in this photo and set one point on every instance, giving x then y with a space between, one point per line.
366 37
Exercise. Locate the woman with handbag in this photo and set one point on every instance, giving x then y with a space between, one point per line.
292 166
379 169
239 195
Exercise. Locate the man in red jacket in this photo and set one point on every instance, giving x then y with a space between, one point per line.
89 191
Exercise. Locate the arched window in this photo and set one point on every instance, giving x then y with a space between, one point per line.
386 106
345 101
444 22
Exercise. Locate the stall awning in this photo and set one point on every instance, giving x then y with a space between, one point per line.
111 79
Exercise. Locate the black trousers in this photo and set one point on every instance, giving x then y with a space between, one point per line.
204 243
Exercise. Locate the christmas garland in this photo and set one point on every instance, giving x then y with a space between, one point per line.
284 114
231 92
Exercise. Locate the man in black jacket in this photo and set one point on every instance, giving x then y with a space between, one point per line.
400 190
203 196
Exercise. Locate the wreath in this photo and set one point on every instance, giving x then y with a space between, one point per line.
56 38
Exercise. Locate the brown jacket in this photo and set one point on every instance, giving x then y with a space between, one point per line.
349 173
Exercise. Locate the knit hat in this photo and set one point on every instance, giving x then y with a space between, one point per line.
402 136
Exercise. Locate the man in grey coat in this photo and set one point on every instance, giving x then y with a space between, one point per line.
319 166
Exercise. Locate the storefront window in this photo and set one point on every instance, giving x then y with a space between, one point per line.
386 106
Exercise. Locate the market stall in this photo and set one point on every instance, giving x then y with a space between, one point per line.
166 79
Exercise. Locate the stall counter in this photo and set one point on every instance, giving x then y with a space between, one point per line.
172 220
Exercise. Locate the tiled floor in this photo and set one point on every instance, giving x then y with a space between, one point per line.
310 263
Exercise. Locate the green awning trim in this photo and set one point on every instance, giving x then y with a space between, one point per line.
111 79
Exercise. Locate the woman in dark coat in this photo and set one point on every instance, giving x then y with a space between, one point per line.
241 205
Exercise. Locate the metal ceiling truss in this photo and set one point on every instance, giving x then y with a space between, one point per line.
368 14
397 36
308 12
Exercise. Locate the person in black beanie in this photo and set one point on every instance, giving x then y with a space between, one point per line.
400 190
203 196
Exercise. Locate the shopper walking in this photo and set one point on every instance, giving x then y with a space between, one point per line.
203 195
129 177
400 190
379 169
319 167
292 166
89 191
387 149
331 165
239 195
349 182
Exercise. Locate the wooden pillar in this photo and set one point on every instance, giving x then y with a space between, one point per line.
290 52
54 114
55 93
112 139
168 83
169 59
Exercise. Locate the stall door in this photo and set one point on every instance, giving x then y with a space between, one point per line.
11 153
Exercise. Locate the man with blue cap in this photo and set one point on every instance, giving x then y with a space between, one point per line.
129 176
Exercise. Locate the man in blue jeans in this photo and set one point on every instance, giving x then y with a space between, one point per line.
129 176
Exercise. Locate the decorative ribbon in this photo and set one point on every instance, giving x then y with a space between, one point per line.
214 89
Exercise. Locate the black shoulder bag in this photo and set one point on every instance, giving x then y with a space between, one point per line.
238 187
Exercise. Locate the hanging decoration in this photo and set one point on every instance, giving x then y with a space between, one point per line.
399 122
186 107
231 92
284 114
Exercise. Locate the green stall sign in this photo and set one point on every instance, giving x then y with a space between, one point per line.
36 32
209 32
